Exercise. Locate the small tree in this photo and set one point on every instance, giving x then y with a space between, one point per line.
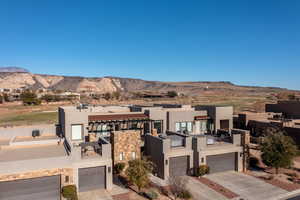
6 97
29 98
107 96
172 94
138 172
178 187
278 150
116 95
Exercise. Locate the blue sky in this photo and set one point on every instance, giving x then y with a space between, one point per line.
248 42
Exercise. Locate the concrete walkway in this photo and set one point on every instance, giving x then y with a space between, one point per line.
248 187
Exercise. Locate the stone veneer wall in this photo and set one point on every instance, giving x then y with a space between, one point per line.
127 142
36 174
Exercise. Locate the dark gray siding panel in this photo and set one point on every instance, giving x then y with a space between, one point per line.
153 149
46 188
179 166
92 178
222 162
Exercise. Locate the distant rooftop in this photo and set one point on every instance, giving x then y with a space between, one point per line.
96 108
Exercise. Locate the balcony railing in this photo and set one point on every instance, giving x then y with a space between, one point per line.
90 149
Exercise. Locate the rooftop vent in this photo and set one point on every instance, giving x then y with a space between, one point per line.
82 106
36 133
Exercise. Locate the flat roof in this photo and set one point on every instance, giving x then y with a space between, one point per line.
31 152
39 138
128 116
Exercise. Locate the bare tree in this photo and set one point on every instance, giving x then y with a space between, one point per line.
178 187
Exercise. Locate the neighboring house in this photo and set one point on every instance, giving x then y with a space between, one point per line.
257 123
38 167
220 154
176 118
171 153
289 109
88 140
122 128
176 154
222 116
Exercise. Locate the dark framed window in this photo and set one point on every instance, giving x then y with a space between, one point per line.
158 125
184 127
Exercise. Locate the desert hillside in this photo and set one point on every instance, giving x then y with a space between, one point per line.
14 80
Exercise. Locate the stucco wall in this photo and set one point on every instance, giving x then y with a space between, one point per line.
182 116
160 152
154 149
10 132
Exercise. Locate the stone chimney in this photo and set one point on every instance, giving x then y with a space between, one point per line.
154 132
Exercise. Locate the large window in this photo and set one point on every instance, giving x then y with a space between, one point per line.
157 124
184 127
224 124
77 131
203 126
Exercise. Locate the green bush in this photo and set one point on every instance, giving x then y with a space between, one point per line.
202 170
185 194
70 192
151 195
119 167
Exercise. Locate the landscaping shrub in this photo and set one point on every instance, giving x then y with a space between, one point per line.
185 194
202 170
151 195
70 192
253 162
165 191
119 167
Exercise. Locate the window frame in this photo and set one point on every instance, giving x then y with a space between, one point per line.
133 155
185 127
82 132
121 156
161 125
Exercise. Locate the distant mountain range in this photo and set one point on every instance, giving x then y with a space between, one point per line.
15 77
13 69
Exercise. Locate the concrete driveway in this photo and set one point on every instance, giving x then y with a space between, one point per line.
201 191
95 195
248 187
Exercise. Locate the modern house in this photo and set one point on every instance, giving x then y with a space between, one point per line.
89 140
222 116
36 164
289 109
176 118
176 154
171 153
257 123
122 128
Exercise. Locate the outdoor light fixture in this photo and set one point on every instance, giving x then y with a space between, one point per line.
109 169
166 162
